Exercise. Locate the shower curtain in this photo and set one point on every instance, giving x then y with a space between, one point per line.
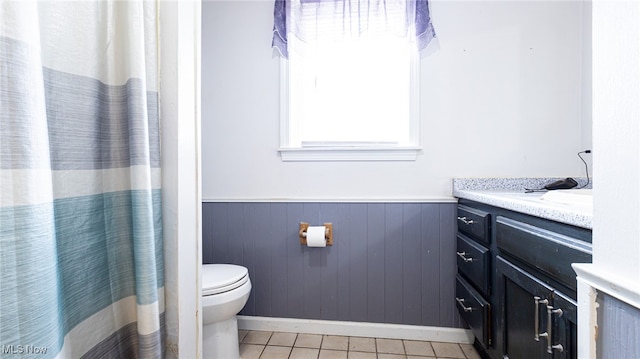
81 266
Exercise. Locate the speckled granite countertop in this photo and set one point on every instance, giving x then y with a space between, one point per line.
509 193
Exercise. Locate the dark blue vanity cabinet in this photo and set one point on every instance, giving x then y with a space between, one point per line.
515 286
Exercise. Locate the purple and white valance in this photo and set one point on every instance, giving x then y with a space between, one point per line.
310 21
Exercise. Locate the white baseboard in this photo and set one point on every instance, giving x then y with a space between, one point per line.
356 329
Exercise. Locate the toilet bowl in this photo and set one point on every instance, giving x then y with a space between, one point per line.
225 290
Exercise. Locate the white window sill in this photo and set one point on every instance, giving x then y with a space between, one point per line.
292 154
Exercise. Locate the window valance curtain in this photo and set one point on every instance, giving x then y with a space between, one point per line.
310 21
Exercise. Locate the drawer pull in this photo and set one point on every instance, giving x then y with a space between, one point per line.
463 256
465 220
536 318
558 347
461 303
550 312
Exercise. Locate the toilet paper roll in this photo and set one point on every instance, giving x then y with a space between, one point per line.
315 236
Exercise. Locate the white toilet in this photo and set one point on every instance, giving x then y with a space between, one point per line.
225 290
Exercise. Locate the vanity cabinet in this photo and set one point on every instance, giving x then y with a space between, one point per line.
516 283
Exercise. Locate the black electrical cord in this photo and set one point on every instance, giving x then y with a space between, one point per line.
586 167
531 190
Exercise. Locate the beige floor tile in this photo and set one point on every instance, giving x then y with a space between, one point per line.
335 342
250 351
283 345
283 339
470 351
256 337
359 344
242 334
390 346
418 348
391 356
308 341
304 353
361 355
332 354
447 350
275 352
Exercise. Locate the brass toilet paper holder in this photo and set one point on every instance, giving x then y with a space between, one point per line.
328 233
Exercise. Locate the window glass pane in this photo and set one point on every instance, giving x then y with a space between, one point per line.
357 90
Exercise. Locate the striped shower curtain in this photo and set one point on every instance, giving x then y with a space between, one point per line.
81 266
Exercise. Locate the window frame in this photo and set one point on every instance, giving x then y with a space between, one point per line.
346 152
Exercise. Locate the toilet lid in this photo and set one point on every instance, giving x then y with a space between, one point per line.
219 278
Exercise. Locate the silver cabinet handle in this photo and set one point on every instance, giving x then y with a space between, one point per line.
550 312
463 256
536 318
461 303
465 220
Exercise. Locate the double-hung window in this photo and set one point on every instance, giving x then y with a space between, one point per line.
349 79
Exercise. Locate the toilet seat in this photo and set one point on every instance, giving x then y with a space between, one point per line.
220 278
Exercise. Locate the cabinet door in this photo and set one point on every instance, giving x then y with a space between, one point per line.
564 337
523 303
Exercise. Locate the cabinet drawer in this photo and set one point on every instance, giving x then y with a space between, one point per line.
474 310
474 223
550 252
473 262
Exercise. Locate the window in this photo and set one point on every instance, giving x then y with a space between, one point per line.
349 93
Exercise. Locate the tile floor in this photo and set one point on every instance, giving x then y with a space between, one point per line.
276 345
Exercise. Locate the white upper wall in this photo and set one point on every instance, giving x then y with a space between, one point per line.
502 96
